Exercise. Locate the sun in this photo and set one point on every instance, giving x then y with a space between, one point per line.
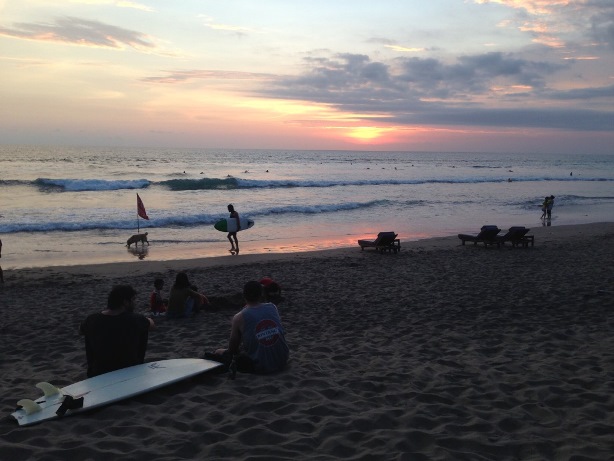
367 133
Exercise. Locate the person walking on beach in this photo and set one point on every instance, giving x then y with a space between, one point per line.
234 246
257 341
116 337
549 206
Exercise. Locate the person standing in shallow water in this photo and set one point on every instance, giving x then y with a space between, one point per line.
549 206
234 246
545 207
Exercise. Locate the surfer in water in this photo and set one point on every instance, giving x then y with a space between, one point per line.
234 246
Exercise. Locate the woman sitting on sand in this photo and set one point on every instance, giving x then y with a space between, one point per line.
182 300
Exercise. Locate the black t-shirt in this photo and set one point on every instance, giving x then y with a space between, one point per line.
114 341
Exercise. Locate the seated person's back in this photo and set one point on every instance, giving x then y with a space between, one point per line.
257 338
116 337
263 337
182 299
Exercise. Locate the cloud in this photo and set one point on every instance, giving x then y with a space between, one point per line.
602 24
531 6
561 23
82 32
404 49
181 76
134 5
431 91
393 45
238 30
564 119
118 3
584 93
418 77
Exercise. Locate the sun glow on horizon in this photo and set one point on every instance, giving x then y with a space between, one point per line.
430 75
367 133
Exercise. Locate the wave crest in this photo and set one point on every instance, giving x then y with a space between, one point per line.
77 185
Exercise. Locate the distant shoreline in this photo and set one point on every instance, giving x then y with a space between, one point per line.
146 266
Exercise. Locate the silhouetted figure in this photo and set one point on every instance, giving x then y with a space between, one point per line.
234 246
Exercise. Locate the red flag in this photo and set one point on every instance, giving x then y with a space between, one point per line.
141 208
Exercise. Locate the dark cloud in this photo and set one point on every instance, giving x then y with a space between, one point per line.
602 22
584 93
80 32
420 77
566 119
430 91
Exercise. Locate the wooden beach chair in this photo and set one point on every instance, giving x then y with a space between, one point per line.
517 235
487 236
385 241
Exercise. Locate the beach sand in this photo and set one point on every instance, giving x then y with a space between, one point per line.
440 352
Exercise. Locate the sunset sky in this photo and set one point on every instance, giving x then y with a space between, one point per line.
439 75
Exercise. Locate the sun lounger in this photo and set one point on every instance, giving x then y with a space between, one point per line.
487 236
385 241
517 235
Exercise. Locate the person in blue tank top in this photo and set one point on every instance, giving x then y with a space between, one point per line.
257 338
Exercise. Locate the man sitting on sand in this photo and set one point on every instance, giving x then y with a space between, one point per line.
116 337
257 342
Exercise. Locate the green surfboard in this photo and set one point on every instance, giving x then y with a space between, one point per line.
230 224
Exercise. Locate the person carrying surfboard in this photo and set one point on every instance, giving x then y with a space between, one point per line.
234 246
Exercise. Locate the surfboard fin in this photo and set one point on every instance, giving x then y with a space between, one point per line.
48 389
69 403
29 406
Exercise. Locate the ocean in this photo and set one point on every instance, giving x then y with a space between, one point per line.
71 206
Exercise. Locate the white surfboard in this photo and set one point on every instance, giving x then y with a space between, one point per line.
230 224
107 388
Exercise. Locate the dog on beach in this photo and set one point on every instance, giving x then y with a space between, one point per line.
136 238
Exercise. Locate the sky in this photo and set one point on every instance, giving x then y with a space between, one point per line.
412 75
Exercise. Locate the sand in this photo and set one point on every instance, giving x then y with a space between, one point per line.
440 352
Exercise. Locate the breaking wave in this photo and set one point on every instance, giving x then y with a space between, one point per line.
77 185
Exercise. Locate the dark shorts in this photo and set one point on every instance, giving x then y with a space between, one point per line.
242 362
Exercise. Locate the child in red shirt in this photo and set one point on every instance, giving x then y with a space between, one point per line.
156 303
